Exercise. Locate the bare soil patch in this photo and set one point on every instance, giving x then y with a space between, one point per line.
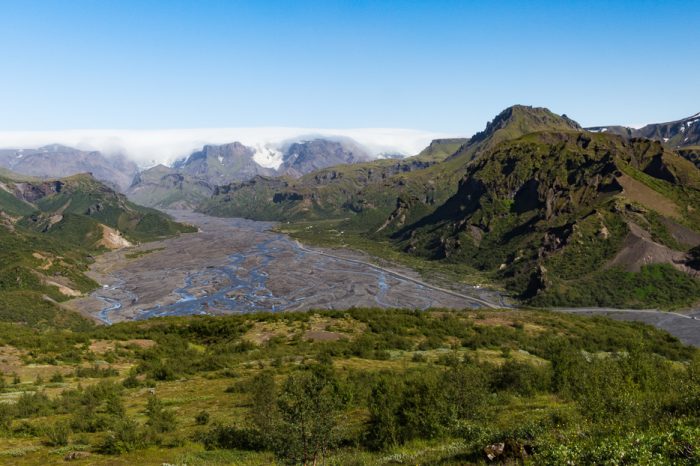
639 192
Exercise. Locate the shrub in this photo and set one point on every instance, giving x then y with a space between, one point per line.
131 381
230 437
159 419
57 435
33 404
202 418
123 438
94 371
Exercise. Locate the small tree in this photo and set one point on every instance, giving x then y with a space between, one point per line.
308 406
159 419
265 414
115 406
123 438
57 435
383 430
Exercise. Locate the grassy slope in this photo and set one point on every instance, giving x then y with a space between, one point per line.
27 261
413 208
692 153
83 195
518 389
37 256
497 225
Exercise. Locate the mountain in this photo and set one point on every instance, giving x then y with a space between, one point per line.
50 229
679 133
307 156
193 179
222 164
396 193
513 122
162 186
56 160
558 214
328 193
572 218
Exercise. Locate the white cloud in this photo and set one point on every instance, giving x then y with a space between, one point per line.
148 147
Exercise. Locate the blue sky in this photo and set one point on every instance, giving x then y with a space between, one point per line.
445 66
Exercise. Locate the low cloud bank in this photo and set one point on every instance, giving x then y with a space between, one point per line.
150 147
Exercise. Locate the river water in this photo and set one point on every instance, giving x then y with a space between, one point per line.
239 266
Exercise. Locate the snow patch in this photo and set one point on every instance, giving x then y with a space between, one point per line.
152 147
221 159
267 156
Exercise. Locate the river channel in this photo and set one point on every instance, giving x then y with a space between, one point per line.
234 266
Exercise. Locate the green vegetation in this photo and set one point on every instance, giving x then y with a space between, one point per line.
691 153
49 234
548 213
137 254
366 386
94 203
655 286
534 204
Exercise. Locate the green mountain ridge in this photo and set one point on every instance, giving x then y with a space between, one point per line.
551 212
49 231
485 204
416 187
331 192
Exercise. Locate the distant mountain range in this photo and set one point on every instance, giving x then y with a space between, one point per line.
193 179
56 160
679 133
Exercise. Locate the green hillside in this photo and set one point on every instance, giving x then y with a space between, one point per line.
523 203
86 197
49 231
570 219
362 387
370 192
328 193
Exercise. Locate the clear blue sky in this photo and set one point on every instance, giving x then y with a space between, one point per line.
433 65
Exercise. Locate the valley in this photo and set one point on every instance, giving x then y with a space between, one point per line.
235 266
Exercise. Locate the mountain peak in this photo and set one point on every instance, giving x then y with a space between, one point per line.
678 133
514 122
